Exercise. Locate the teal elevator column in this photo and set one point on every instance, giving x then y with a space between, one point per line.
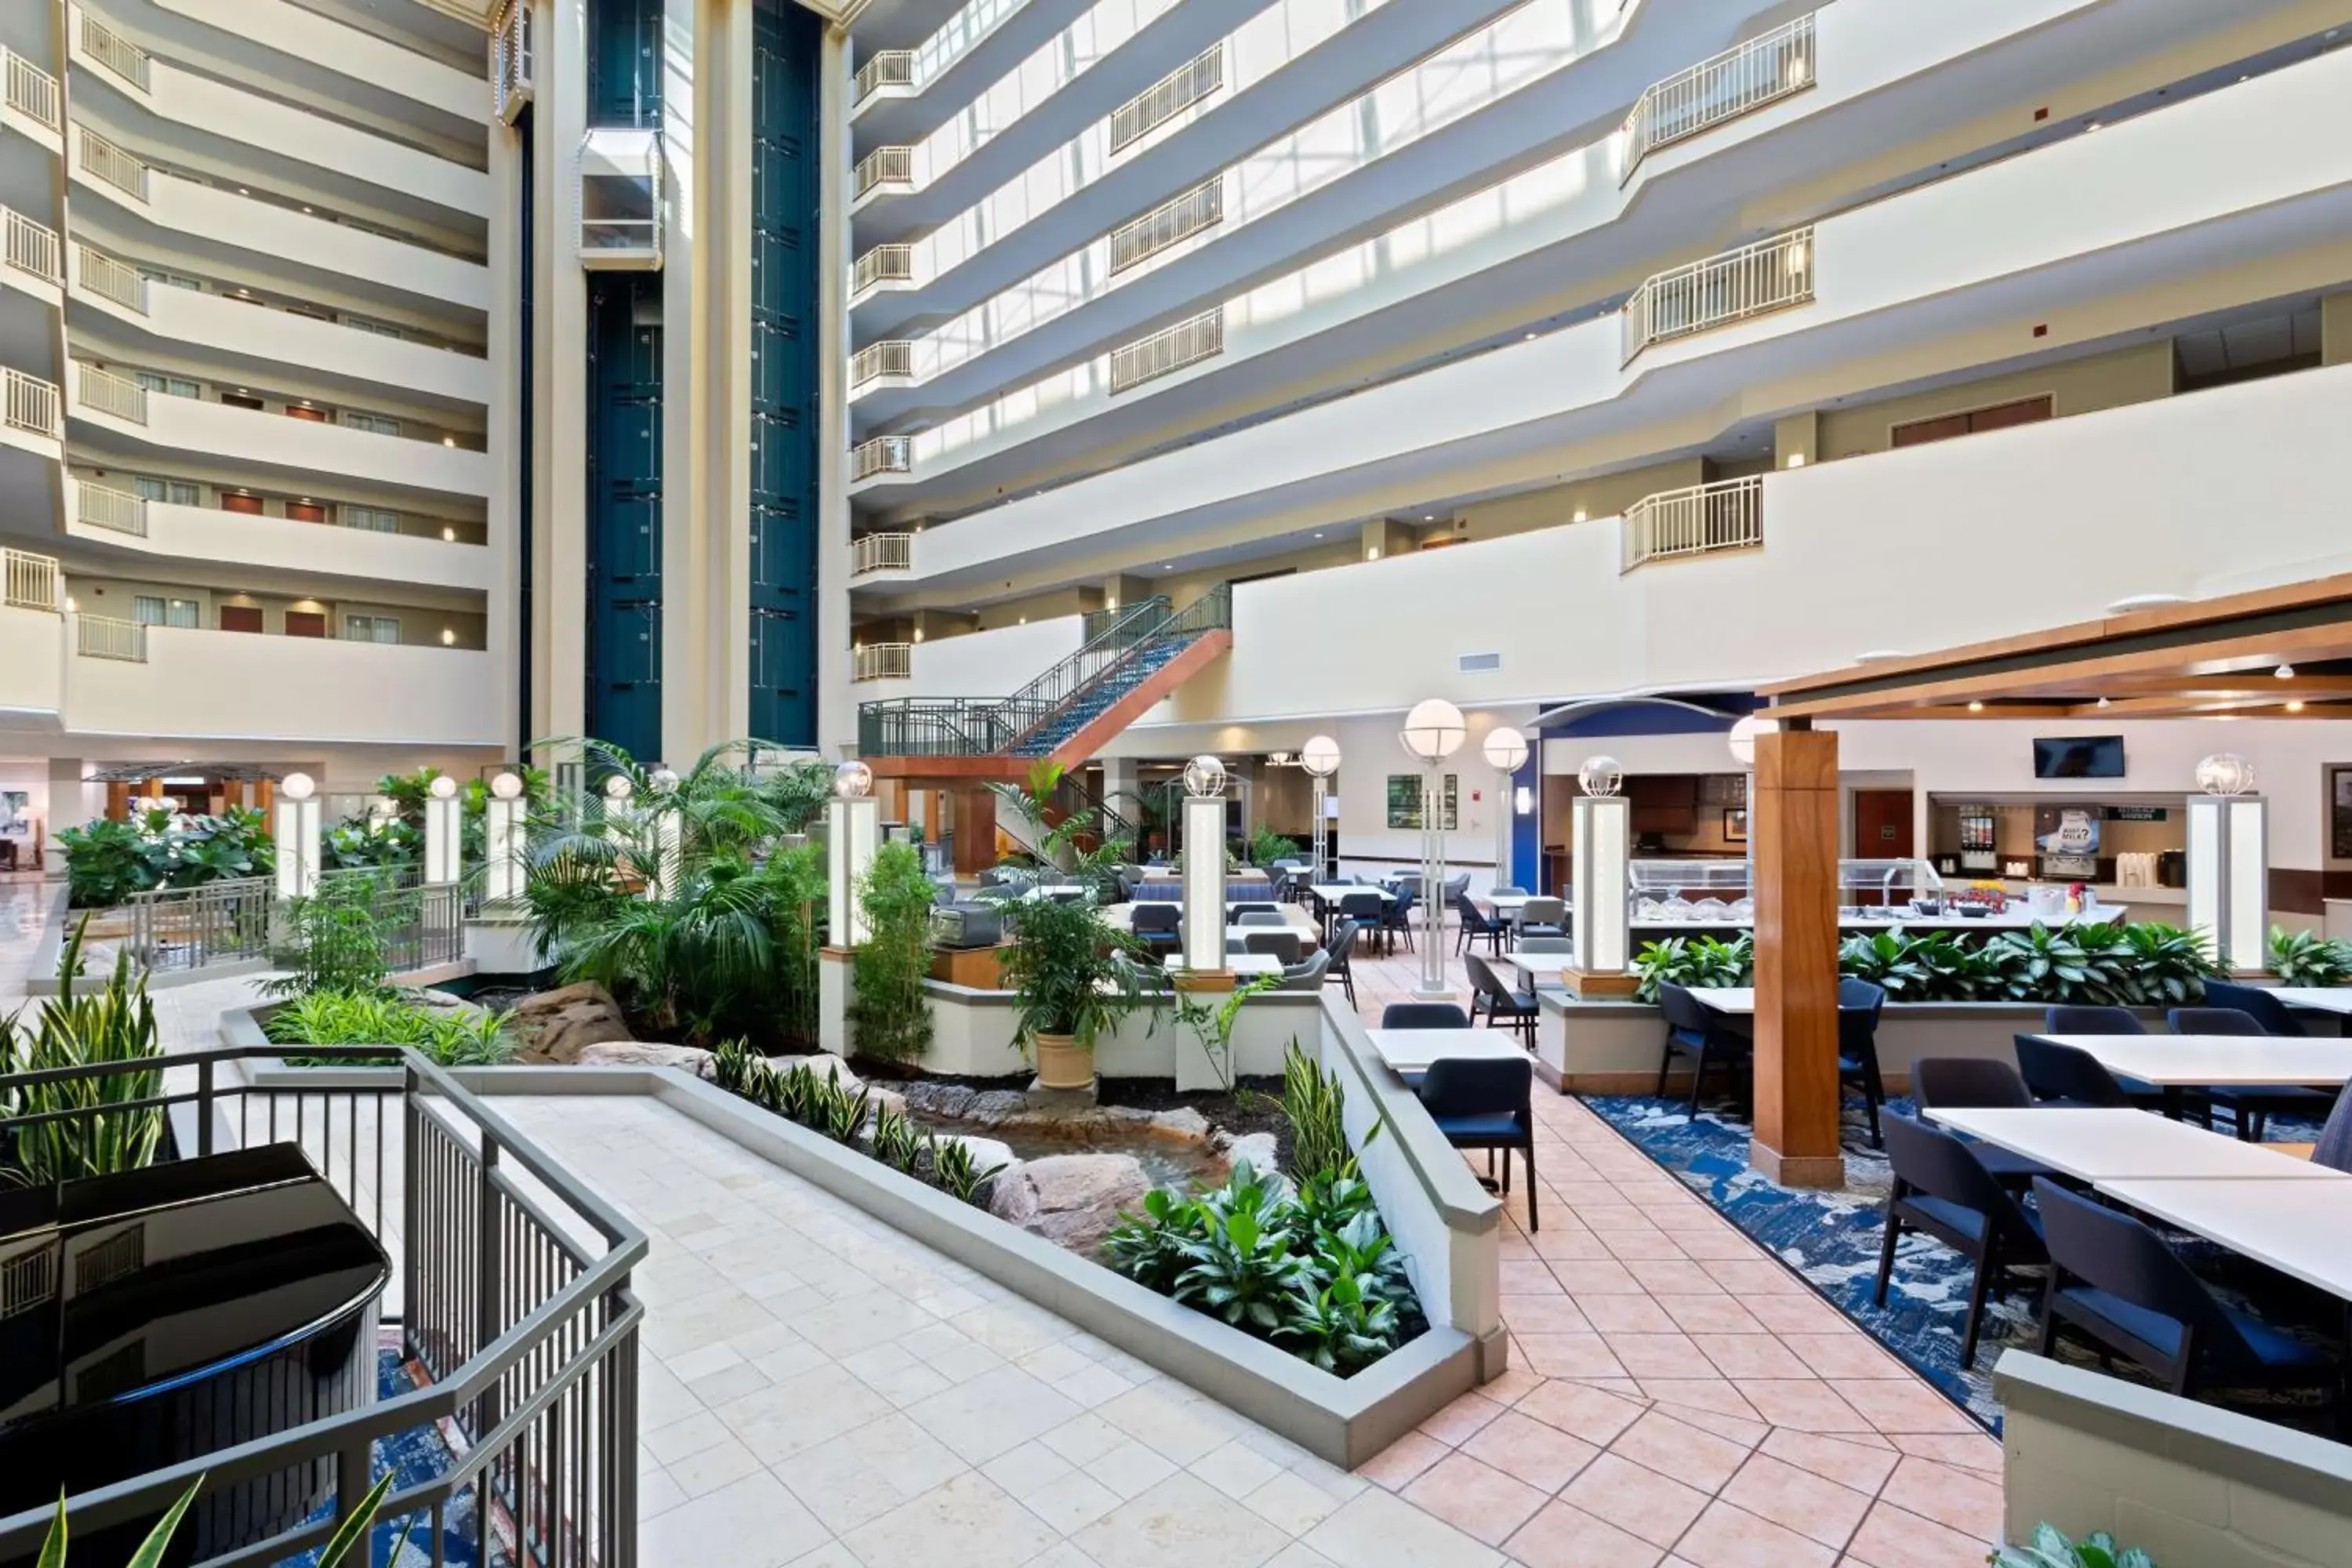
785 40
625 521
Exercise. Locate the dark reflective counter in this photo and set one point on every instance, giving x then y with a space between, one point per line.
162 1314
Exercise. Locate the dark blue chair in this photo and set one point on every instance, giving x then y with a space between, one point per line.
1396 919
2250 1109
1701 1031
1505 1007
1942 1191
1484 1102
1476 926
2262 1006
2334 1149
1342 949
2090 1020
2114 1281
1424 1016
1158 927
1859 1004
2066 1075
1964 1082
1364 909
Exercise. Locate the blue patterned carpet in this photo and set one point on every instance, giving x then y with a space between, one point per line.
1832 1238
416 1456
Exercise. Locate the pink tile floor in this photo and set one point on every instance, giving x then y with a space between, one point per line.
1675 1395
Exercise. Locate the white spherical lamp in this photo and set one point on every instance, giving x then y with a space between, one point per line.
1320 756
663 778
1742 739
298 786
1505 747
2225 772
1601 776
444 787
507 787
618 788
1434 730
852 780
1204 777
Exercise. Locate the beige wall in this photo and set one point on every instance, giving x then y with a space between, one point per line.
420 626
2078 386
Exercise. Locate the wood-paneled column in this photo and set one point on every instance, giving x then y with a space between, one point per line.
1794 819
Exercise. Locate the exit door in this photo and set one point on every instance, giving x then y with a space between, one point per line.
1882 830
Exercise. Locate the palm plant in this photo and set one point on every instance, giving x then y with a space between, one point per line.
1063 968
891 1017
1038 798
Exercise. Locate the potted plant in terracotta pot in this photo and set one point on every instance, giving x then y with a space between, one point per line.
1064 966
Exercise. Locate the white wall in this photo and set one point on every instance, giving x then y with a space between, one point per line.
988 664
32 655
305 34
199 533
224 218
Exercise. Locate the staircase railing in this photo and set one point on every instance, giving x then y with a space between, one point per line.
1210 610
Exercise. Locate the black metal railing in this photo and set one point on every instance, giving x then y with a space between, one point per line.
512 1296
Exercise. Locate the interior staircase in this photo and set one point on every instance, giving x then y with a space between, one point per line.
1135 658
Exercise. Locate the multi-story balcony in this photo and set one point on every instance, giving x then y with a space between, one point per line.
906 84
32 104
31 415
872 552
30 258
305 54
104 514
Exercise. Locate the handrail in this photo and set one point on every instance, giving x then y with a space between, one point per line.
32 579
882 455
893 357
882 661
103 392
106 637
33 248
882 264
1698 520
1722 88
102 506
512 60
33 91
114 279
1179 217
1125 641
881 553
1768 275
885 166
105 161
1168 351
33 404
884 67
1164 99
115 52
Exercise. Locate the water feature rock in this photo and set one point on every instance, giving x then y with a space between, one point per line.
1181 1122
1071 1200
996 1107
952 1100
646 1053
985 1152
1260 1149
557 1026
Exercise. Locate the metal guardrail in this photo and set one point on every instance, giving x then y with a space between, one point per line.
174 928
882 661
1178 218
1164 99
107 162
512 60
882 455
104 636
33 404
33 91
893 357
885 166
1747 75
32 579
882 264
103 275
33 248
884 67
513 1295
1769 275
1168 351
115 52
421 924
881 553
118 512
1727 514
1092 624
103 392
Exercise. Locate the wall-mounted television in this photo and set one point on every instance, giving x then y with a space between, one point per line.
2078 757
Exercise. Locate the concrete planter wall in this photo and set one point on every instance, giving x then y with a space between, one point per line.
972 1035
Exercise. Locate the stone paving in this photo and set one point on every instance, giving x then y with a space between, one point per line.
821 1390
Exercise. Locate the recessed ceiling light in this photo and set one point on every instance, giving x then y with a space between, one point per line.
2294 707
2285 672
1530 337
2107 701
1429 517
1169 567
243 192
1976 707
1319 536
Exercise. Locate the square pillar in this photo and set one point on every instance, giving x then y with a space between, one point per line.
1793 821
299 851
2229 879
853 830
444 839
1204 885
1599 921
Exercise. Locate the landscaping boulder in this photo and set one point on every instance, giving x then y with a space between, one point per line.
557 1026
986 1152
646 1053
1259 1148
1071 1200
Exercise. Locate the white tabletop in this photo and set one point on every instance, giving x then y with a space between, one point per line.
1725 998
1535 965
2321 998
2102 1145
2296 1227
1411 1050
1235 963
1057 891
1333 892
1307 935
2235 1059
1508 903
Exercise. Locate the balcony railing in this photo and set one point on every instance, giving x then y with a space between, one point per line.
32 579
103 636
31 248
884 263
1769 275
881 553
117 168
104 276
1202 206
1726 515
510 59
884 67
33 91
882 455
1169 350
885 166
32 405
118 511
103 392
1168 97
882 661
875 360
1771 65
115 52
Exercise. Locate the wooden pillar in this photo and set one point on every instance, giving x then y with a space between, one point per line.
1794 820
117 802
263 789
975 829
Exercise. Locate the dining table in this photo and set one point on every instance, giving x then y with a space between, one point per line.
2177 1063
1738 1000
2335 1000
1251 963
1539 966
2099 1144
1409 1051
2295 1228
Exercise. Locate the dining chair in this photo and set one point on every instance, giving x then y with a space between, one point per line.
1486 1102
1505 891
1307 973
1157 925
1342 949
1940 1191
2114 1281
2255 1002
1283 944
2067 1075
1546 944
1396 919
1364 909
1241 912
2334 1149
2250 1109
1260 918
1472 926
1859 1005
1698 1029
1543 917
1958 1083
1425 1016
1504 1005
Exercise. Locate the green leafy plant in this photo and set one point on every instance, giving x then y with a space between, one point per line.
1149 1248
107 862
1038 798
102 1128
451 1037
2162 965
1211 1023
1694 961
1314 1103
2049 1548
954 1170
333 940
2307 958
349 1535
891 1018
1267 846
893 1140
1062 966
